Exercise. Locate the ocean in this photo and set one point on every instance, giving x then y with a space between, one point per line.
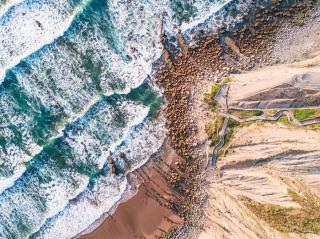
75 87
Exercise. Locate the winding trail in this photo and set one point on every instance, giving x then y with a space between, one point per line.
220 144
275 117
222 99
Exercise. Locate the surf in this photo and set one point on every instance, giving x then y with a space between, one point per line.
73 93
31 25
7 4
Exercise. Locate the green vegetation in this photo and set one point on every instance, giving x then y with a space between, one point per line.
226 80
168 235
246 113
300 220
313 126
221 153
209 96
232 125
270 112
303 114
284 120
213 128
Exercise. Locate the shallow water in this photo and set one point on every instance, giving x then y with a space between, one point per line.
73 91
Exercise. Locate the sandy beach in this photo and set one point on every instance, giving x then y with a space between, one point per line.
177 192
147 214
159 119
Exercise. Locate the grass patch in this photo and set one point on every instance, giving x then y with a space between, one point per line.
226 80
208 97
313 126
213 128
221 153
299 220
282 120
168 235
270 112
232 125
246 113
304 114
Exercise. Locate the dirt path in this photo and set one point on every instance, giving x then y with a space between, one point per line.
220 144
222 99
276 117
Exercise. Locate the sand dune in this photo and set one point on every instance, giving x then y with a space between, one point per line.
263 162
278 86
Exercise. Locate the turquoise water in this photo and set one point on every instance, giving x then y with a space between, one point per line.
74 89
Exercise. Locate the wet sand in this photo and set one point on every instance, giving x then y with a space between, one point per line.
164 191
147 214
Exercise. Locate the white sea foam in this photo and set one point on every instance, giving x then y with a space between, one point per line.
102 130
205 10
7 182
94 203
58 191
7 4
28 195
50 187
12 155
69 89
89 207
218 18
30 26
121 76
58 79
137 34
69 86
87 145
138 26
150 134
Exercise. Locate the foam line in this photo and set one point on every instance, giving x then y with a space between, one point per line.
108 190
204 14
4 7
109 48
47 187
30 26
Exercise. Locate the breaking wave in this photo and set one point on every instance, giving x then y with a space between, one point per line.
73 91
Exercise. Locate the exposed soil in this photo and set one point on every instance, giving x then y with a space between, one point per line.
184 76
263 164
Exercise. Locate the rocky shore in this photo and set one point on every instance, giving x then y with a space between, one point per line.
189 73
185 75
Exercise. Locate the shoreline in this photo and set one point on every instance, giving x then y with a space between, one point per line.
174 78
140 180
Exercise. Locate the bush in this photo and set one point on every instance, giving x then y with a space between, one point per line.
209 96
303 114
213 128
